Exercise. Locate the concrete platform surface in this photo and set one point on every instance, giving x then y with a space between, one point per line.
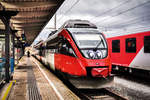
34 82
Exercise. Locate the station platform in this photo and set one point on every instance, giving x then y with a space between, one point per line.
35 82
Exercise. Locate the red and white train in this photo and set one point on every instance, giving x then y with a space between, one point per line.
130 51
80 52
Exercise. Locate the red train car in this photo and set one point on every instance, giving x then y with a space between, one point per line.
80 52
130 52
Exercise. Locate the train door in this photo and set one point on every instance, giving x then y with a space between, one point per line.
115 55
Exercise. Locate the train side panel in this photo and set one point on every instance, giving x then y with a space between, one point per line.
138 59
69 65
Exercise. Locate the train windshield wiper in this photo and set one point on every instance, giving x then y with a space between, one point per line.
101 41
98 45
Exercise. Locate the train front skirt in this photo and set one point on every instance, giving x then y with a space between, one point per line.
91 82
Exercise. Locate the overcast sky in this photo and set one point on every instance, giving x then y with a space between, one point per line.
108 15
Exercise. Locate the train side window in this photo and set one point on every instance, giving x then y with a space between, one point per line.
62 48
115 45
71 51
131 45
66 49
146 44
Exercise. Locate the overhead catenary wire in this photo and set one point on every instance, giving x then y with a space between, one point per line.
62 7
124 11
137 25
128 25
142 20
131 21
136 22
119 5
62 15
69 10
132 30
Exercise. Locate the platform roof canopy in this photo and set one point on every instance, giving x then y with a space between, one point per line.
32 15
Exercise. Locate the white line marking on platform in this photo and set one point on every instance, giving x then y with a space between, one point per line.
50 82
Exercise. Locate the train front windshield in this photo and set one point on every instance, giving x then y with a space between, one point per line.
91 43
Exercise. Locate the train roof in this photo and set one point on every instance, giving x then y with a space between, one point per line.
78 24
74 26
82 30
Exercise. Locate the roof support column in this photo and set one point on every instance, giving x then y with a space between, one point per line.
7 50
5 17
6 21
13 41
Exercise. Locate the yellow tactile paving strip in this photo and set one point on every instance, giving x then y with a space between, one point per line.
20 88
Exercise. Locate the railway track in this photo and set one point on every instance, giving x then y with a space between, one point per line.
99 94
91 94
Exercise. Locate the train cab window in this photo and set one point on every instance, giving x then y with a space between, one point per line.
147 44
131 45
115 45
66 49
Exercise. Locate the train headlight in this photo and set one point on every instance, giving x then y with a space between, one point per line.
91 54
99 54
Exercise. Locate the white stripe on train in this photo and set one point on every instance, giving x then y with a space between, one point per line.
141 60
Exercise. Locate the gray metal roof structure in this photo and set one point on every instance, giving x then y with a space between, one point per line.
32 15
